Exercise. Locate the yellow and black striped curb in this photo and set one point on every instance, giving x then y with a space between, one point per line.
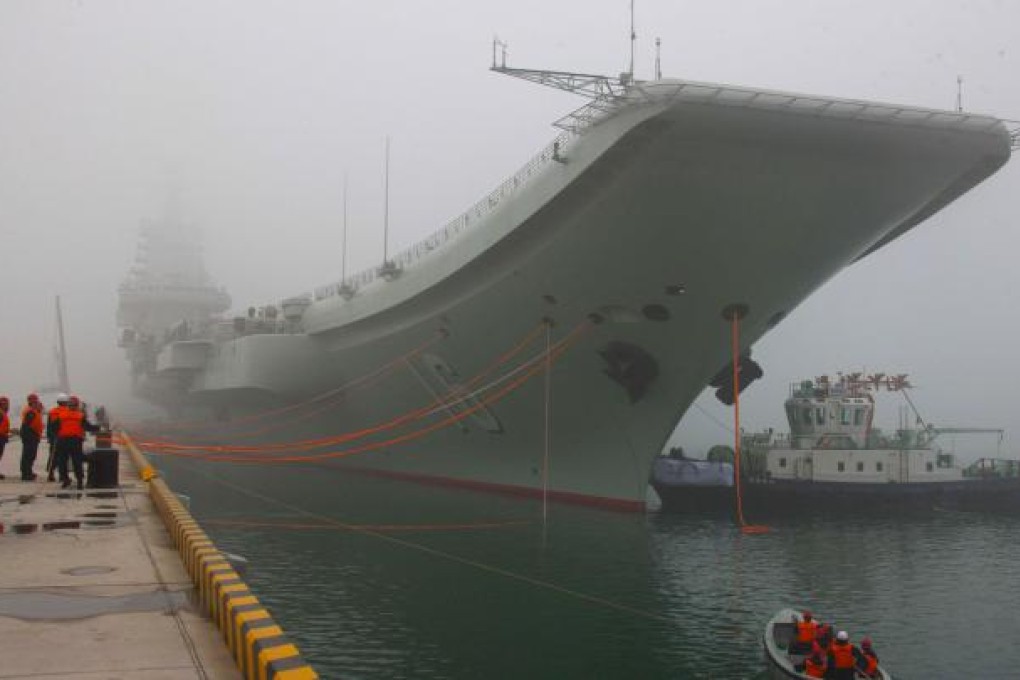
258 645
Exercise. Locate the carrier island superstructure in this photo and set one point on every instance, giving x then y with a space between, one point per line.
661 204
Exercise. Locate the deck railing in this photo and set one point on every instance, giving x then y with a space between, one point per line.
601 108
471 217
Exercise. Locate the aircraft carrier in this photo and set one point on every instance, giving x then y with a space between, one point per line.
548 340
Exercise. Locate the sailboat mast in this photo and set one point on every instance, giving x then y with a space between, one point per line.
65 382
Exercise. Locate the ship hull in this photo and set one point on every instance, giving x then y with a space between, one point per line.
806 498
629 247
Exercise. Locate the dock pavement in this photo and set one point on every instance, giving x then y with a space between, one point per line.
92 587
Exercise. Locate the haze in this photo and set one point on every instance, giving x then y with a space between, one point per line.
251 114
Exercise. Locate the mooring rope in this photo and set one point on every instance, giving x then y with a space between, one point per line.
328 394
448 556
306 444
558 349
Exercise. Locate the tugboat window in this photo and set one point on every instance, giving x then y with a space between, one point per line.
782 462
860 467
878 466
858 416
846 415
841 466
929 467
820 415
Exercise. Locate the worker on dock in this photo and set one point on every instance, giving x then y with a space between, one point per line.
31 434
72 425
5 426
52 422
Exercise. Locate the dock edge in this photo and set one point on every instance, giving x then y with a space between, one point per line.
258 645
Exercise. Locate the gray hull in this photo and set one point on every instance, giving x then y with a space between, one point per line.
646 228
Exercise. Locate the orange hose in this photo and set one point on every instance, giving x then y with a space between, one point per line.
735 339
735 351
304 445
561 348
204 425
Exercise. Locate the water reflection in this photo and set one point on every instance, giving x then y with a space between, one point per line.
397 592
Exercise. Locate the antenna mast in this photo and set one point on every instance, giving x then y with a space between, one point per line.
386 204
343 258
959 94
65 382
501 45
633 37
658 58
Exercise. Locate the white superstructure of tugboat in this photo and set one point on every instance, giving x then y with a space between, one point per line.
661 204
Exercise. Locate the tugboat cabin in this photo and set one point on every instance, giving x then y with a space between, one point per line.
832 438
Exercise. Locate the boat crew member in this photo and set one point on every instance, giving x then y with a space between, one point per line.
815 664
70 441
52 423
807 631
5 426
843 658
870 660
31 433
825 635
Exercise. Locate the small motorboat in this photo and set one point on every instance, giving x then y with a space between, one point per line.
780 631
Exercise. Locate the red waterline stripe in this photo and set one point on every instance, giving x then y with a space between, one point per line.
617 504
241 523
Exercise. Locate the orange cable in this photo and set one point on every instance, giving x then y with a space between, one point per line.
561 348
302 445
319 397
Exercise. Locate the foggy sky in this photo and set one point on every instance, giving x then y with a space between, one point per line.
255 110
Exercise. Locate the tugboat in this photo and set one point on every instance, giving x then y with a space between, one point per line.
835 459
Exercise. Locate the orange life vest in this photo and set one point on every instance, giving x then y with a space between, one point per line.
843 654
71 423
5 425
33 418
814 669
806 631
870 662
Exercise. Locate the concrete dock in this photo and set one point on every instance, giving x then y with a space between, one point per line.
93 586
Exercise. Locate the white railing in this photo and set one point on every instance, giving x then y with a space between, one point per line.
645 93
1014 133
471 217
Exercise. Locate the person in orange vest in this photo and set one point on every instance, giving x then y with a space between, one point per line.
70 441
5 426
52 424
815 664
31 433
844 658
807 631
825 635
869 665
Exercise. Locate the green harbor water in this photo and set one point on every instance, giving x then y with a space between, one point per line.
377 578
